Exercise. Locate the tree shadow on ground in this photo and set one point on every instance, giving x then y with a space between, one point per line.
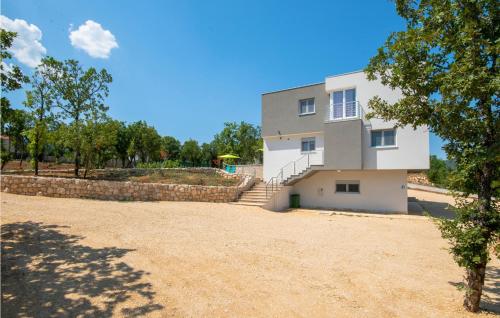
434 209
491 296
46 273
490 300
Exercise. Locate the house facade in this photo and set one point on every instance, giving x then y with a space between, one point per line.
319 144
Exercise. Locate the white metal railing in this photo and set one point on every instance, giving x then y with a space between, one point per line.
292 168
343 111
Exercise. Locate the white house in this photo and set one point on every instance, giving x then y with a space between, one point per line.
319 144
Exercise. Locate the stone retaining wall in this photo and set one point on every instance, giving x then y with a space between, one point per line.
117 190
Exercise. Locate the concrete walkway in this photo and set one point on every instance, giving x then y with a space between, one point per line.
428 188
436 204
420 187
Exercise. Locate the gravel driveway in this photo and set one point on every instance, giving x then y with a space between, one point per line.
71 257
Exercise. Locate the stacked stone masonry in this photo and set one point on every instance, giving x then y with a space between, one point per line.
118 190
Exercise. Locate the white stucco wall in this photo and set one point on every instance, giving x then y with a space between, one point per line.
280 200
364 89
412 146
280 151
380 191
411 150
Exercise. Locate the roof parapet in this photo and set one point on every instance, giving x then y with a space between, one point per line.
292 88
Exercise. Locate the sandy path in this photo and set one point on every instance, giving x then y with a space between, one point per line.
204 260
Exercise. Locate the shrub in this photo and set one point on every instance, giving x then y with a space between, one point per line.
159 164
438 172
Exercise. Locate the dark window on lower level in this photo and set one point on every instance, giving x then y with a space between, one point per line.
347 187
341 187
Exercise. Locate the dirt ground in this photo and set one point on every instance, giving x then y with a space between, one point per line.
84 258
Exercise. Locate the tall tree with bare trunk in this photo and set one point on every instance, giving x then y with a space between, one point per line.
80 95
446 65
39 102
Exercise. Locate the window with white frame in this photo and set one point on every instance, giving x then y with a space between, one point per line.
306 106
308 144
343 104
347 186
383 138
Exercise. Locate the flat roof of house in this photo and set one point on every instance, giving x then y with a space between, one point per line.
292 88
347 73
307 85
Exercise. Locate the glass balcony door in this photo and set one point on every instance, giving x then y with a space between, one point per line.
343 104
350 103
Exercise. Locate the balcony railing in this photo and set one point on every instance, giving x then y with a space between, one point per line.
343 111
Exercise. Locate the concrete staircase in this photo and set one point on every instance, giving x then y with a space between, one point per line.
294 178
255 196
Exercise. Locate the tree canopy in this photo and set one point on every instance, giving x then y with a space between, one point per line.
11 78
241 139
439 172
170 148
80 95
191 152
39 101
145 142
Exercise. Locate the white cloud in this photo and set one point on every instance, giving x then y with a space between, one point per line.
26 46
93 39
6 68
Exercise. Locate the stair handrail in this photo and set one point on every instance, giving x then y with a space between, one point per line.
274 182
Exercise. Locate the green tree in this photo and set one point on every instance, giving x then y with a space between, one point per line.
99 140
170 147
39 102
438 172
6 116
241 139
145 142
11 78
123 137
445 65
19 122
81 95
58 139
249 142
226 141
208 152
191 152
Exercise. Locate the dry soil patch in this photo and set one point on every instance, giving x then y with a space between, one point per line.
186 259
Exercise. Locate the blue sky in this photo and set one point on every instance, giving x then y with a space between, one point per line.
186 67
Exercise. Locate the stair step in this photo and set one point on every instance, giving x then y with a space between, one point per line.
253 199
247 203
255 194
250 203
243 197
263 198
